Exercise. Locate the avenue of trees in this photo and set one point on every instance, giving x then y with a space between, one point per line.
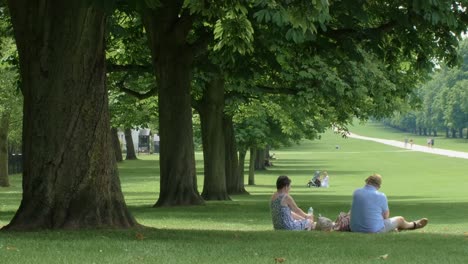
256 73
444 104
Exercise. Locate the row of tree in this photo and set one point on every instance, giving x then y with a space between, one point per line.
444 102
288 68
10 101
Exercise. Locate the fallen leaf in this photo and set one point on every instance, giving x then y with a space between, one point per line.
383 256
12 248
139 236
280 260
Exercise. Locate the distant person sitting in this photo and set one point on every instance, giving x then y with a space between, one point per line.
370 212
284 212
315 181
325 180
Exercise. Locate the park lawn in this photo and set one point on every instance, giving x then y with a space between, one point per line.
378 129
240 231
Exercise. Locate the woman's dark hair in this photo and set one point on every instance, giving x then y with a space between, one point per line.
282 181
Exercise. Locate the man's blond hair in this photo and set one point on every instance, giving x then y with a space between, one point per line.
374 180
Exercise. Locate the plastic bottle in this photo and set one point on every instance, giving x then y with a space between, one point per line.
310 211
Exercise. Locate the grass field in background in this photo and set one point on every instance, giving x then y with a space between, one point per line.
240 231
377 129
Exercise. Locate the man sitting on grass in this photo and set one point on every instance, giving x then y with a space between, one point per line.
370 212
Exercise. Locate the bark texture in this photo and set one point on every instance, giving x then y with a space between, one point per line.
253 156
241 169
211 117
70 178
234 178
131 155
4 125
116 145
167 28
260 159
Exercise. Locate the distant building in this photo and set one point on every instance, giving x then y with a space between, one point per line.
142 141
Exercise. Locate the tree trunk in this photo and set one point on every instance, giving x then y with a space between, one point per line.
70 177
434 132
454 133
172 57
447 132
234 178
253 156
242 154
116 145
131 155
4 124
460 132
211 117
260 159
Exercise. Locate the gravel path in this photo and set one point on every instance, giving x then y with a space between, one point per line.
444 152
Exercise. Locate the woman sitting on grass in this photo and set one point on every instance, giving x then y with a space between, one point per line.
284 211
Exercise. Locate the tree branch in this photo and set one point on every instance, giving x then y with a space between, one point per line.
128 67
271 90
121 84
360 34
200 46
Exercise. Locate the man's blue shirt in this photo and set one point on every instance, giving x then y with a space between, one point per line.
367 210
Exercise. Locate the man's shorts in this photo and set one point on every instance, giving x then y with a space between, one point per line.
390 224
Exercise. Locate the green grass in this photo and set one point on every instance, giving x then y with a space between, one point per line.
240 231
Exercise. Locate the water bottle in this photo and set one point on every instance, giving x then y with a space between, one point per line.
310 211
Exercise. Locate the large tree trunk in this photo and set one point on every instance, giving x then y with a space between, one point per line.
253 156
131 155
70 177
167 30
260 159
4 124
116 145
447 132
460 132
211 117
234 178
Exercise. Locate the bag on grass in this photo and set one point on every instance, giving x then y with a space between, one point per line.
342 222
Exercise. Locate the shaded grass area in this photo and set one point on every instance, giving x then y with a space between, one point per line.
196 246
240 231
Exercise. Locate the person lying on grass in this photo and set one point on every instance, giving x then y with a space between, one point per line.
284 211
370 212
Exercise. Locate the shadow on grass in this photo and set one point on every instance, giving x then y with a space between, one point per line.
246 208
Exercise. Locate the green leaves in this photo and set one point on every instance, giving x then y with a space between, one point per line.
300 18
234 32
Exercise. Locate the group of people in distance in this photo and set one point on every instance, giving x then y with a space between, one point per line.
369 210
319 180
